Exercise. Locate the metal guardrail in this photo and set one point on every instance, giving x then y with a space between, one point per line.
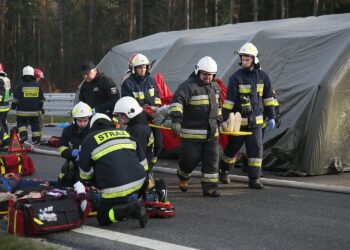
57 104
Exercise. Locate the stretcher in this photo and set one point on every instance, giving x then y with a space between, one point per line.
235 133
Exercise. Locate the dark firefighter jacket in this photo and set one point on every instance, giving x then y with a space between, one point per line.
114 160
197 107
139 129
255 85
4 94
28 99
144 90
100 94
71 139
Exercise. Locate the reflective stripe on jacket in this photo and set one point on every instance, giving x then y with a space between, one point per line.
116 162
197 107
144 90
255 85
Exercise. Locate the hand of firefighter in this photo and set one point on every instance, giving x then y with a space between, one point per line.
75 154
223 126
175 128
271 123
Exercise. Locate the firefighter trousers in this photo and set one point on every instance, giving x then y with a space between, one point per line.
3 126
22 122
158 145
191 153
254 150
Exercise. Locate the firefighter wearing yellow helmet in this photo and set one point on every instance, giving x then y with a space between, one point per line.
71 140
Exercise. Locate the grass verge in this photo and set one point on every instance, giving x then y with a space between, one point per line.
10 242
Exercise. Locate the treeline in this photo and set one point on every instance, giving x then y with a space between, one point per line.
57 35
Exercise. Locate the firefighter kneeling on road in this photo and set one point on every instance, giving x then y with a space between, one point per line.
71 140
28 100
250 93
195 113
114 163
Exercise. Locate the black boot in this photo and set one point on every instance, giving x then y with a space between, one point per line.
137 211
211 192
255 184
223 177
183 185
161 190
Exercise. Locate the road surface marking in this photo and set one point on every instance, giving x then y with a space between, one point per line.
128 239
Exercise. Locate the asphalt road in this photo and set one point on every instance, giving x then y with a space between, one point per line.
272 218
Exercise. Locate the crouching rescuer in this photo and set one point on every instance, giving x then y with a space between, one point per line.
114 163
195 113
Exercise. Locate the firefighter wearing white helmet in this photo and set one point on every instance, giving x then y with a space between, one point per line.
128 106
28 100
141 86
132 115
249 92
115 164
5 88
195 111
71 140
206 64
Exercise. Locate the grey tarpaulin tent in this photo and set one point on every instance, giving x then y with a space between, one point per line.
308 62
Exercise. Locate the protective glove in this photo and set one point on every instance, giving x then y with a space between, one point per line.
175 128
271 124
246 109
75 152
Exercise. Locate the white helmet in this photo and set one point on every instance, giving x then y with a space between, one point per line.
28 71
206 64
81 110
139 60
98 116
128 106
250 50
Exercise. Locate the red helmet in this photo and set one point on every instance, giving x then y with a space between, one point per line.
2 68
38 74
130 60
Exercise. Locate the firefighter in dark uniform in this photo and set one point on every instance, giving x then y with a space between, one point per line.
250 93
143 88
28 100
71 140
195 112
98 90
114 163
5 95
